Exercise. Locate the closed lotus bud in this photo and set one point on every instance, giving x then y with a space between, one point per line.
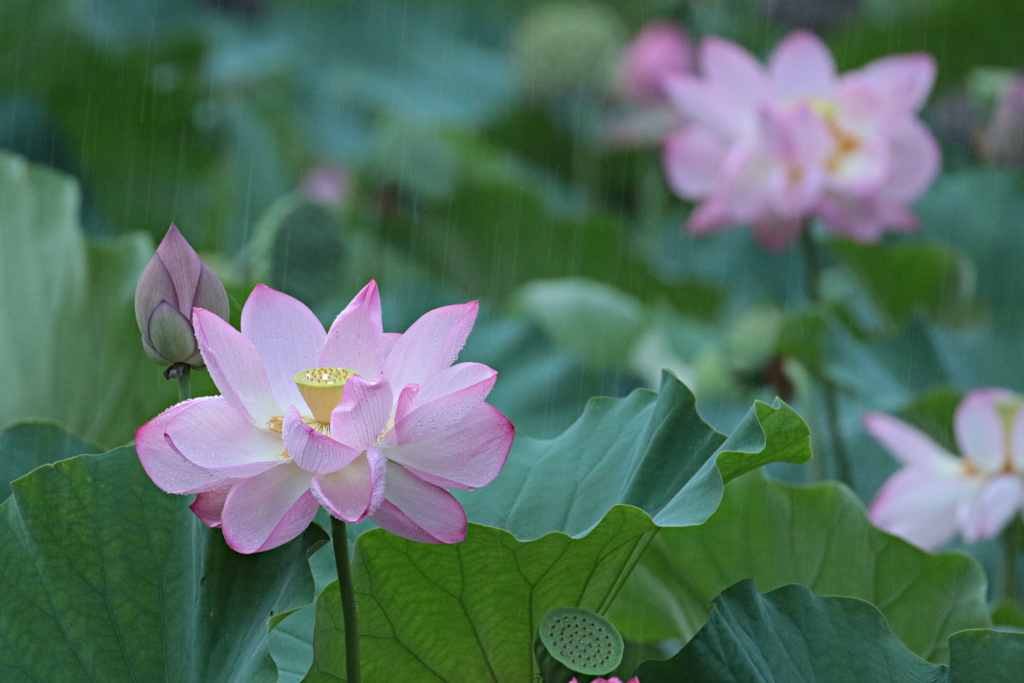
661 50
1004 138
563 46
172 283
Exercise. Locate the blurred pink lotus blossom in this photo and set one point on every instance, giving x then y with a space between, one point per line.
1003 138
363 423
936 494
326 185
777 145
660 51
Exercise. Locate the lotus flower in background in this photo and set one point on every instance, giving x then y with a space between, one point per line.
173 282
1003 138
777 145
936 494
363 423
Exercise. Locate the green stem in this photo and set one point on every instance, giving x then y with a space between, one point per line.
185 383
348 599
812 270
1011 539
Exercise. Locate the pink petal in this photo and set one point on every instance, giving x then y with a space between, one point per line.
802 66
705 106
979 428
443 402
915 160
311 450
456 378
183 265
862 171
419 511
430 345
911 446
465 455
364 411
355 340
920 506
209 505
155 286
163 464
268 510
903 81
213 435
991 509
352 493
858 218
733 72
1017 442
775 233
287 336
693 159
236 367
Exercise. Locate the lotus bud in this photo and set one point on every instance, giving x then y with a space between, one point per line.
1004 138
564 46
661 50
173 282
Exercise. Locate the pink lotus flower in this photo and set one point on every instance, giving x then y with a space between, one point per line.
363 423
776 145
936 494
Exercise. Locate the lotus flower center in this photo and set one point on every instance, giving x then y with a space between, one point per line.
322 389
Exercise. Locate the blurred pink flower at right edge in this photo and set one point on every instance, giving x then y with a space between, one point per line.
777 145
936 495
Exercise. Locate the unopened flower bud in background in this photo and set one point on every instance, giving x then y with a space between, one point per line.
172 283
326 185
1003 139
660 51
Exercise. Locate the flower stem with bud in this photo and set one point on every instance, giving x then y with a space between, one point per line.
339 537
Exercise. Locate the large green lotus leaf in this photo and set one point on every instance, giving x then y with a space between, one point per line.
469 611
791 634
107 578
26 446
817 536
985 656
651 451
71 348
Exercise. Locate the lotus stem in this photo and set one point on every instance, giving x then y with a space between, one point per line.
339 534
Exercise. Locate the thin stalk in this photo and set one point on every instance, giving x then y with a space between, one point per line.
812 270
339 535
1011 540
185 383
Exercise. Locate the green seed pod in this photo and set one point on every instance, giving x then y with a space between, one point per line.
573 641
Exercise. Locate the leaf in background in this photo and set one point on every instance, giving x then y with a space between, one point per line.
960 34
469 611
591 318
71 348
817 536
107 578
26 446
791 634
491 237
904 279
647 450
985 656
